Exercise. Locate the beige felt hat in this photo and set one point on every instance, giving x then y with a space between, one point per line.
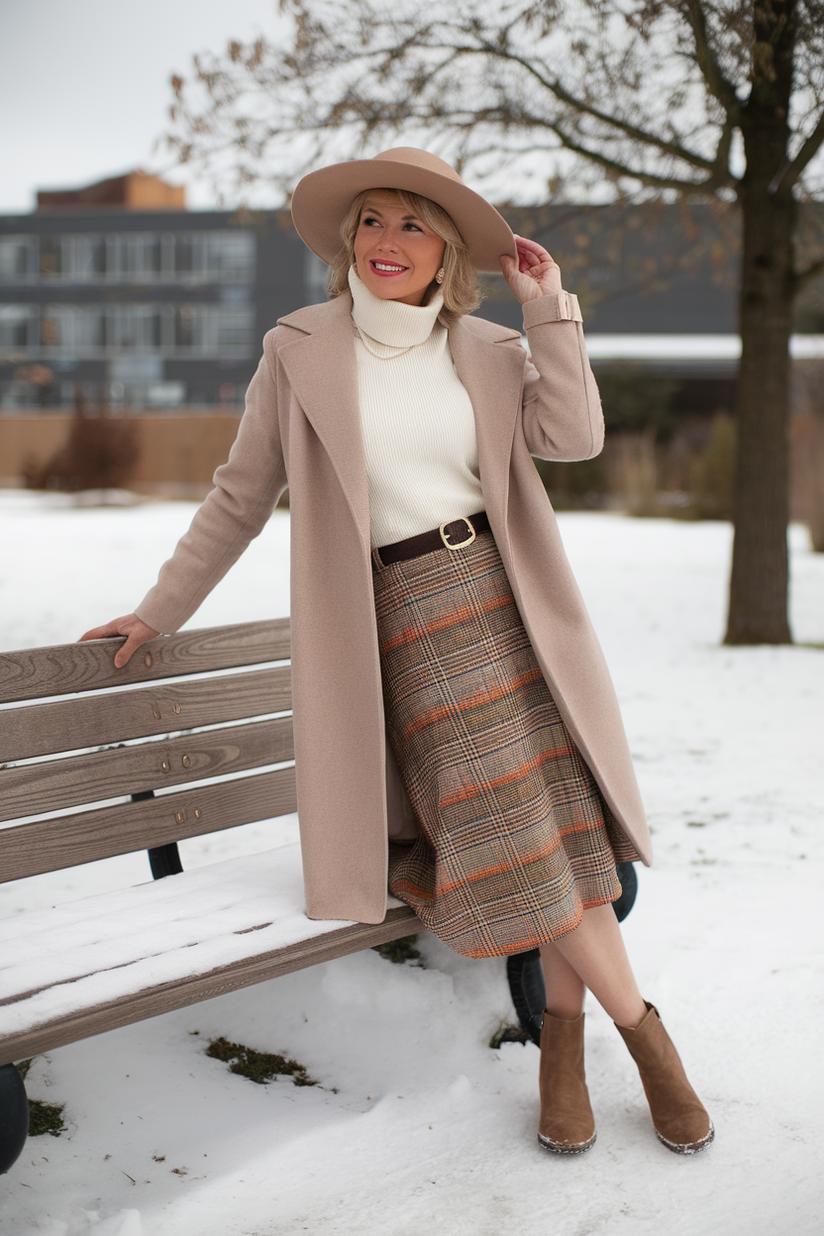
322 199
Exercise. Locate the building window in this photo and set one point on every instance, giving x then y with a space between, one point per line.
51 257
75 259
189 326
85 260
17 327
90 331
133 327
234 326
18 257
226 329
135 259
132 257
75 329
230 255
214 256
187 255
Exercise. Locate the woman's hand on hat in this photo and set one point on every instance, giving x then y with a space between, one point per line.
534 274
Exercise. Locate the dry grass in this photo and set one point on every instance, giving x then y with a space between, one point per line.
43 1117
258 1066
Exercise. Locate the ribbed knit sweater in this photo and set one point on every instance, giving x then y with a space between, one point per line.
418 426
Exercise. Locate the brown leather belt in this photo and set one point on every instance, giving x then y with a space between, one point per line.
455 534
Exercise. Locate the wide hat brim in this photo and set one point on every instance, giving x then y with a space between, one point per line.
321 201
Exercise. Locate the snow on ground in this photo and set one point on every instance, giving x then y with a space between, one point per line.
416 1121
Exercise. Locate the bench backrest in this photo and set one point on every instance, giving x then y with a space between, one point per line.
171 720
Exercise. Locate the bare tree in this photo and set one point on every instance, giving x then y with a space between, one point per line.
700 99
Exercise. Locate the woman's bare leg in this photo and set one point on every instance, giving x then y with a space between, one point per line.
565 990
593 955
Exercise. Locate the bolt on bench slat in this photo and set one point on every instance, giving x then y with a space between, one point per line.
35 672
45 729
57 784
66 841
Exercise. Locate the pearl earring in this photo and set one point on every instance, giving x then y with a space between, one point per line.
440 275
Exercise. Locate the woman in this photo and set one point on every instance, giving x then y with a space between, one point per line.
433 605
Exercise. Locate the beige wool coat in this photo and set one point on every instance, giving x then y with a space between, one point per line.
301 428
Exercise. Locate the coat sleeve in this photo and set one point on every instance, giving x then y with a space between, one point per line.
562 415
246 490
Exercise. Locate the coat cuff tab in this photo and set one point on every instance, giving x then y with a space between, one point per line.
560 307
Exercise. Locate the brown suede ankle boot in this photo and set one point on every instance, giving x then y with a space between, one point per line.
567 1125
678 1116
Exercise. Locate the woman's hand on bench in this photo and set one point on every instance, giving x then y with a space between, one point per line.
130 625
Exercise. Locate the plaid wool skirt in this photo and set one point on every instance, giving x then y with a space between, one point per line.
516 840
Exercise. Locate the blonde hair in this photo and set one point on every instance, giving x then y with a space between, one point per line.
461 291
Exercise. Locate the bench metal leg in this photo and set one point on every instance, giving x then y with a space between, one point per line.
164 860
14 1116
525 973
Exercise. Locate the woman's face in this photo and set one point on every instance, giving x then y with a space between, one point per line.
397 255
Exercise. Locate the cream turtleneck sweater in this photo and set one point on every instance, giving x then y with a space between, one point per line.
417 420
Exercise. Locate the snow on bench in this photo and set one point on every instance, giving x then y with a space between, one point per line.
163 945
96 762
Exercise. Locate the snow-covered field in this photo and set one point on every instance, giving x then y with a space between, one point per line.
416 1122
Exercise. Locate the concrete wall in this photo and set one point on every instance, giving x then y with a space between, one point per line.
177 453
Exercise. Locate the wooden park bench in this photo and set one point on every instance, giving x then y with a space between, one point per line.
175 745
143 741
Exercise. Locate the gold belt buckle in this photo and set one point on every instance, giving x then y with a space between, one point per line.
460 544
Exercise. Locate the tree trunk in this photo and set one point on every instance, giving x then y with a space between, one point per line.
759 582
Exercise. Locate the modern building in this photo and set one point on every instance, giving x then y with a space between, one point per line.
116 292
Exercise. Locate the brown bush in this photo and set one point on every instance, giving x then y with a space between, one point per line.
633 469
807 448
101 453
808 475
689 475
712 472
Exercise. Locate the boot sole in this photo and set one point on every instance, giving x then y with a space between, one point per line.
687 1147
565 1147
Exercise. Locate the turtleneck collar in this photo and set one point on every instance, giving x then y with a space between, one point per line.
391 322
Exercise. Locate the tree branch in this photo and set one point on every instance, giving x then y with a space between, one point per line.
586 109
373 111
622 169
707 61
806 154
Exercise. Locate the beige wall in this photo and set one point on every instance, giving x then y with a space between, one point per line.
177 453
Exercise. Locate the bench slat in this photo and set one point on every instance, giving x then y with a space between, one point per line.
50 845
56 785
35 672
177 994
92 721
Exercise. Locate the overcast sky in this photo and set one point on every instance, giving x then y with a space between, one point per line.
84 86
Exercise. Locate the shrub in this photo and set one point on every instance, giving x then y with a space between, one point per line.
712 473
101 453
634 400
633 470
808 475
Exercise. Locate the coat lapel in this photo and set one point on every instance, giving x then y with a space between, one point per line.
322 370
493 375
